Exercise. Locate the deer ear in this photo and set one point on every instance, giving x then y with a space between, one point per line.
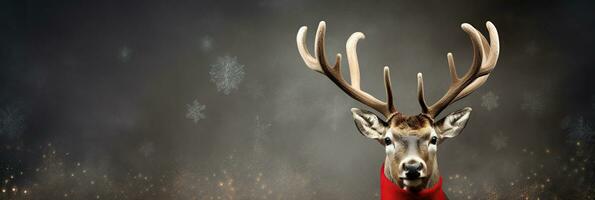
368 123
453 123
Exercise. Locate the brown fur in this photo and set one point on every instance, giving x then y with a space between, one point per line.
414 123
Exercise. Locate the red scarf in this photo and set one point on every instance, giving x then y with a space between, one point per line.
392 191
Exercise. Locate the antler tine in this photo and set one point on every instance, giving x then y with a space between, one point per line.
489 64
318 63
310 60
389 91
485 56
351 47
420 93
452 67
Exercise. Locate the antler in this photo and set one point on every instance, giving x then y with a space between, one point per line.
485 56
318 63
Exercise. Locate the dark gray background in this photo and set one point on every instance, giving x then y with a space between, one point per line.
92 122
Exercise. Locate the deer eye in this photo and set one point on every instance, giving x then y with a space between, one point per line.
387 141
433 140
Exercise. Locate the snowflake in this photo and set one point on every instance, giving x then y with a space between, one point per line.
533 103
227 74
206 43
579 129
147 149
490 101
12 121
195 111
499 141
124 54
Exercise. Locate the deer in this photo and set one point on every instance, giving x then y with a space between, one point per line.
410 168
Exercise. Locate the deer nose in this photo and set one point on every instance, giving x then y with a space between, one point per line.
412 169
412 165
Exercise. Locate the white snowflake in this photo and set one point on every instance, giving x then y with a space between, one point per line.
195 111
490 101
12 121
499 141
124 54
147 149
206 43
533 103
227 74
578 129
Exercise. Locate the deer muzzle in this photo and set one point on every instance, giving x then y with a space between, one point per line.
412 171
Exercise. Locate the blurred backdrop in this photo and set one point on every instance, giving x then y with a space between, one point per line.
211 100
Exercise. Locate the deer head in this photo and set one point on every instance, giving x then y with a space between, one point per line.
410 142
